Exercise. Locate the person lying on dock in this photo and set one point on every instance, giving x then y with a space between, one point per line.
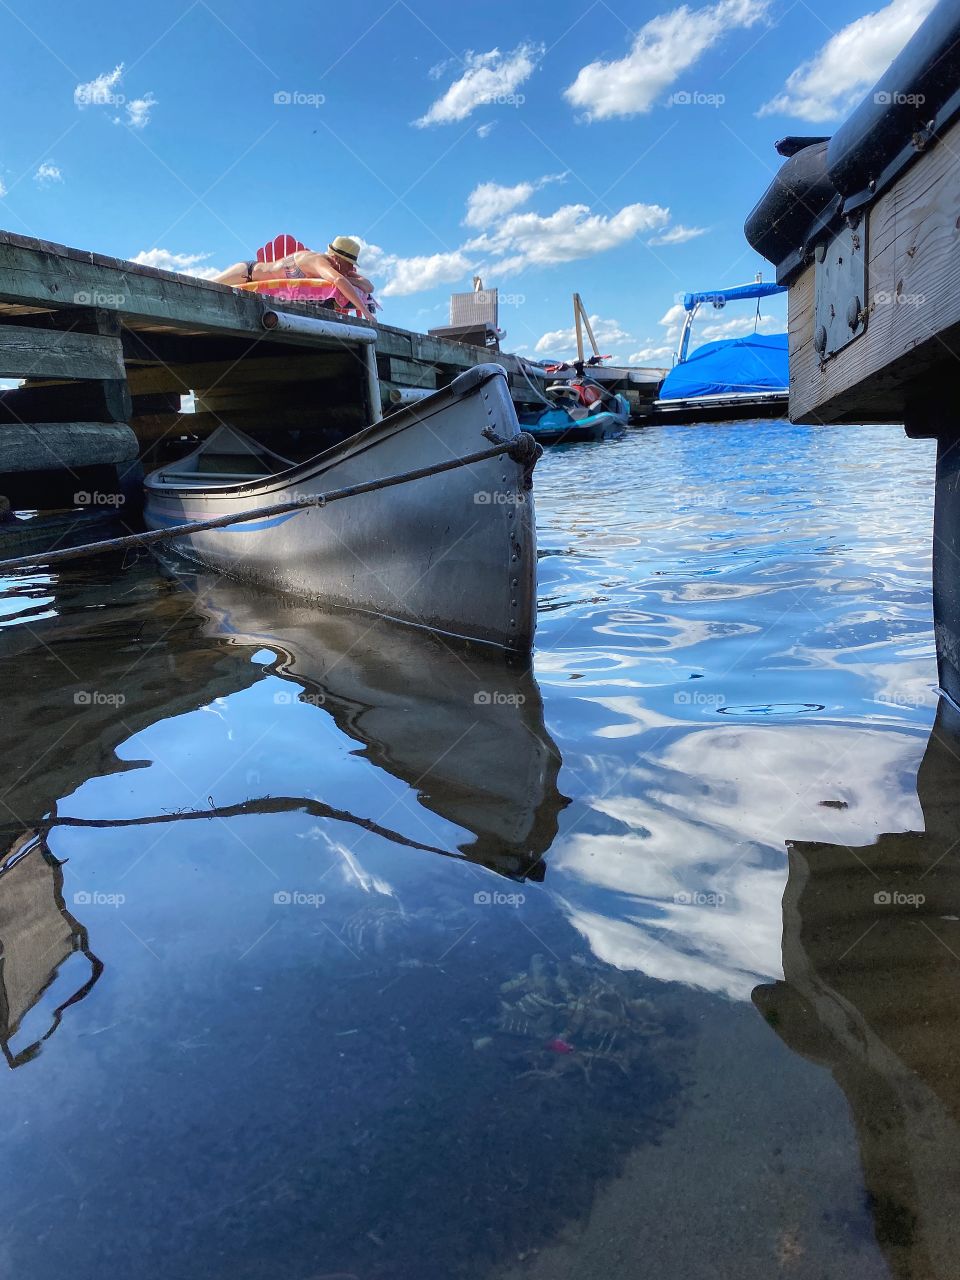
338 266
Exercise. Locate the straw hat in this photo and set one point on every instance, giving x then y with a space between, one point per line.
346 247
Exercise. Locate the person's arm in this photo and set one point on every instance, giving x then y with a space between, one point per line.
320 268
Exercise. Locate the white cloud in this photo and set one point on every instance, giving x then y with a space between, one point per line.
739 327
678 235
529 239
397 277
99 92
608 333
485 130
488 78
138 111
103 91
849 63
48 173
651 354
187 264
3 188
515 242
707 330
489 201
662 49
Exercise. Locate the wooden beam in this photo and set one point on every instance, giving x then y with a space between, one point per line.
103 401
246 372
64 445
912 302
407 373
47 353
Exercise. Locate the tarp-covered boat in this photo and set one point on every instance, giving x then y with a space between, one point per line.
453 552
730 378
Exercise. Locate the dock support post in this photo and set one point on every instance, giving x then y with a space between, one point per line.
946 563
374 402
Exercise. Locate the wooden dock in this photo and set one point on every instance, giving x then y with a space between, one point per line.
107 349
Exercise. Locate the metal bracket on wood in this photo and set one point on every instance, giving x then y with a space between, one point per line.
840 290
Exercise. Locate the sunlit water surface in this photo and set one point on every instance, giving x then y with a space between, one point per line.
327 953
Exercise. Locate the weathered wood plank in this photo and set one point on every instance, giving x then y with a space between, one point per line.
248 372
406 373
47 353
913 302
64 445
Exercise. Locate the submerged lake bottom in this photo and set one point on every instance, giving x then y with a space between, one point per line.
332 951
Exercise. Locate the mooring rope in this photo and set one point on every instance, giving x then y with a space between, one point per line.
523 449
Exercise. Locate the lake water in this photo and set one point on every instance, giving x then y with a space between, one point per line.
329 953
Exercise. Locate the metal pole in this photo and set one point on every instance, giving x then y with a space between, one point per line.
315 327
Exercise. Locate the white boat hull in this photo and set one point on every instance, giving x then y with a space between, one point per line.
454 552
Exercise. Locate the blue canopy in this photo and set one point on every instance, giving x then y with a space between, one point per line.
757 363
756 290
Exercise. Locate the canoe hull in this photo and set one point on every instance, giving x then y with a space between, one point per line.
455 552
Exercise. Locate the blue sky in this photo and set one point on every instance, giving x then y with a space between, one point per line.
613 148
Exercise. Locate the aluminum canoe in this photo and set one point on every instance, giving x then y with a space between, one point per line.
454 553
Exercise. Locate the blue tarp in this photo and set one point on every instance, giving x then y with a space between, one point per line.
756 290
755 363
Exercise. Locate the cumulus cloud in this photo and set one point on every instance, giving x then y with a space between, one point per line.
662 50
678 235
398 277
530 239
707 330
48 173
188 264
514 241
849 63
138 111
490 201
608 333
651 355
101 91
487 78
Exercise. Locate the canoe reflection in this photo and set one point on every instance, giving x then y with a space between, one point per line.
871 958
459 725
38 936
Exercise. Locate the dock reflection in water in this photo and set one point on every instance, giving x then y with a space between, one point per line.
871 990
326 950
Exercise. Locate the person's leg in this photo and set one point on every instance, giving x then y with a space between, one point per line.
239 273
